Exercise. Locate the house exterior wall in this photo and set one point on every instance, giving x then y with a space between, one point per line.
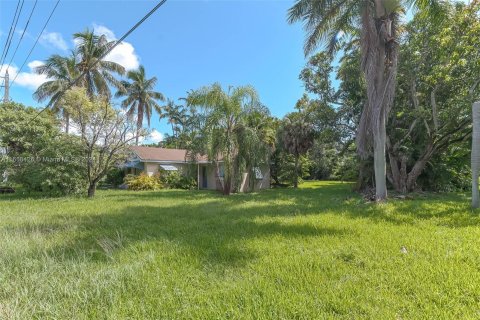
212 181
258 184
152 168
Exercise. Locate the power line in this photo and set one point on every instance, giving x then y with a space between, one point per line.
36 41
13 26
107 52
23 33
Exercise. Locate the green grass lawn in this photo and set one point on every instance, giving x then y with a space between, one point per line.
313 253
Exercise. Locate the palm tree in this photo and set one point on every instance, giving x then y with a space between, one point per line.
297 137
62 71
226 130
140 96
89 48
175 115
375 22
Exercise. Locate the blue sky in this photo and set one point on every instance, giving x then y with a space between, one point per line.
185 44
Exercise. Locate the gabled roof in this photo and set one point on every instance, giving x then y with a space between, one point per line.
163 154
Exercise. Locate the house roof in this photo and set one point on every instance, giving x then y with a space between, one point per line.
163 154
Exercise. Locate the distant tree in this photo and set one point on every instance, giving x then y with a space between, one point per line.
140 96
297 137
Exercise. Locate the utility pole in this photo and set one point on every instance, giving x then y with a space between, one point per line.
6 97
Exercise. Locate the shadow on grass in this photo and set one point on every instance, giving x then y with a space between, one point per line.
214 236
215 228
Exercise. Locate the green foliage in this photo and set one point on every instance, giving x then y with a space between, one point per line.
177 180
39 156
143 182
105 133
115 177
233 130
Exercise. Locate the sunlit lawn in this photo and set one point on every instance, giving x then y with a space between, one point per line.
313 253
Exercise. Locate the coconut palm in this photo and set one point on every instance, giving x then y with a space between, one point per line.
89 47
175 115
226 130
62 71
375 23
140 97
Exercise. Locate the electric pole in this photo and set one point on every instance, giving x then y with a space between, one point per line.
6 97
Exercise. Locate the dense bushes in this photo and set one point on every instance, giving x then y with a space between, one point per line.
175 180
37 155
167 180
142 182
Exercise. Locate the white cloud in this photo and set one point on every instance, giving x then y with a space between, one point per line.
155 136
54 39
123 54
29 79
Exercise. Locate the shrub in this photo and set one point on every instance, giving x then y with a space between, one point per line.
175 180
115 177
142 182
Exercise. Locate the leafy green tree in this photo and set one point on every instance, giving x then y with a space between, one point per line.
62 71
105 134
438 75
37 155
140 97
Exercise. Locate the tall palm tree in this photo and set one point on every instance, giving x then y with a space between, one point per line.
375 23
140 96
89 47
225 125
62 71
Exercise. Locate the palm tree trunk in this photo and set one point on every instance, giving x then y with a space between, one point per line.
379 162
475 153
67 122
139 121
379 63
295 176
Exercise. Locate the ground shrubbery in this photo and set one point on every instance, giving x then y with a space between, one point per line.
166 180
142 182
176 180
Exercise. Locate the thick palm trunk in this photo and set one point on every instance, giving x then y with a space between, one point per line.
67 122
475 153
295 177
379 63
379 162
